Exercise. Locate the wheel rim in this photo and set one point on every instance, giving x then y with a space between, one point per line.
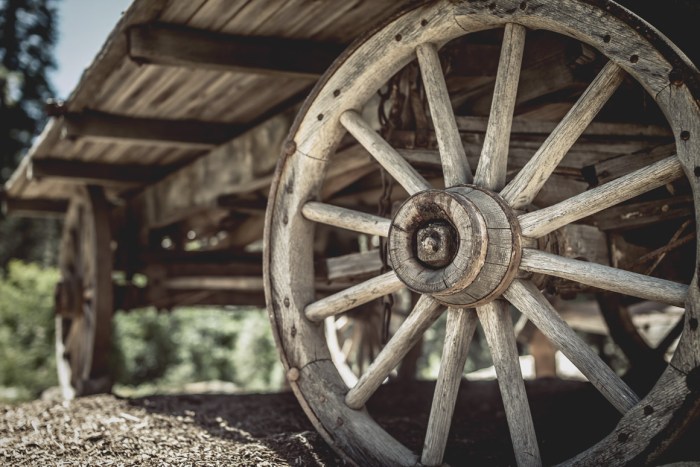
332 109
84 296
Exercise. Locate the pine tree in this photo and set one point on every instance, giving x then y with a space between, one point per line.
27 37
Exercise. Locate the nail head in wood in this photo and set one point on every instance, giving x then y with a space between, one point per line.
293 375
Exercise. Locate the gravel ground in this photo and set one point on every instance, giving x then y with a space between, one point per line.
271 429
164 430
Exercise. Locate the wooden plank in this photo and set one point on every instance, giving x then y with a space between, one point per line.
34 207
172 45
93 173
615 167
529 126
630 216
108 127
198 186
112 54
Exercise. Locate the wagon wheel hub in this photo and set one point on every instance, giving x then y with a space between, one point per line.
460 245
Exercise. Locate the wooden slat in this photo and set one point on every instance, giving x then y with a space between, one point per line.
107 127
193 48
196 187
630 216
529 126
93 172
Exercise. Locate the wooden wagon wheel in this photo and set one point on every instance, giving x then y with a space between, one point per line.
84 296
468 246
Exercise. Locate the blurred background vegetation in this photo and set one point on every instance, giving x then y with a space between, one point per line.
231 349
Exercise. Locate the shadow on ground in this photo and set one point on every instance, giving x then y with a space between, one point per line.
568 417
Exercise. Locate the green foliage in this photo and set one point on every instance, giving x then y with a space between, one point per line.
26 328
196 344
27 36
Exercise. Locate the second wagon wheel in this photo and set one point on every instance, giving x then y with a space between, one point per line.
469 248
84 296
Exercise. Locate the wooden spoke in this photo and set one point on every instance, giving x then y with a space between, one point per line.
525 186
424 314
353 296
461 324
454 159
605 277
346 218
544 221
491 171
530 301
387 156
500 335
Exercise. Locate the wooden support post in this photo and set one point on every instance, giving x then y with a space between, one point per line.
186 47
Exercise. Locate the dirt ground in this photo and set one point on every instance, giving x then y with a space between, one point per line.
271 429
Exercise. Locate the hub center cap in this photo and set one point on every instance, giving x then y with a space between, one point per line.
461 245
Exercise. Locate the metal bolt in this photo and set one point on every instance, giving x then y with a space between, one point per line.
293 375
436 244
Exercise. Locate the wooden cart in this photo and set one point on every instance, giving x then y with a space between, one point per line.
475 153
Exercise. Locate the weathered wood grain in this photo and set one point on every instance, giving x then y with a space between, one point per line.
460 328
498 328
178 46
544 221
454 160
530 301
387 156
525 186
491 171
409 333
346 218
353 297
605 277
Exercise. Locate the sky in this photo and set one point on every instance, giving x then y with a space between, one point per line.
83 27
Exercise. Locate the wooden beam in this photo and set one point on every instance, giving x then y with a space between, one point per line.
172 45
118 128
197 187
93 173
34 207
